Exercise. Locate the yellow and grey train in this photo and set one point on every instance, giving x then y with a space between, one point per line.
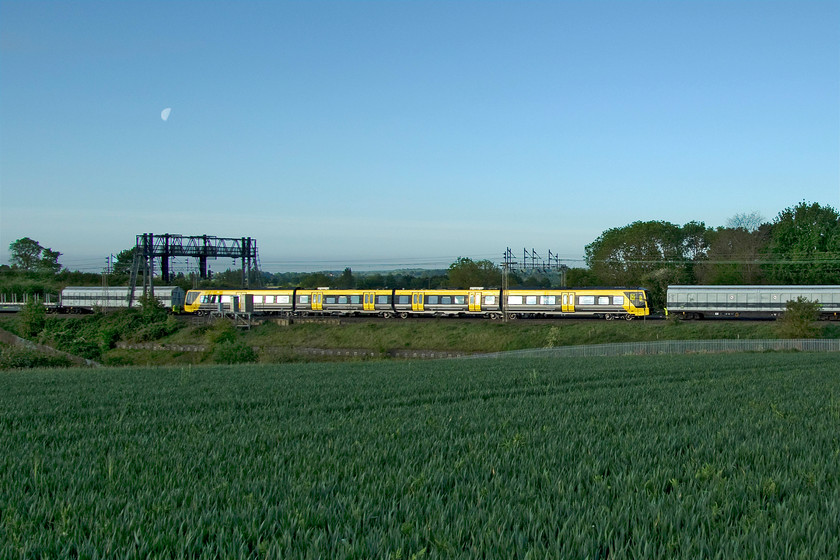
605 303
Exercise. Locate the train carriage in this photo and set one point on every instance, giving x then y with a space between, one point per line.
267 302
698 302
85 299
606 303
324 301
448 302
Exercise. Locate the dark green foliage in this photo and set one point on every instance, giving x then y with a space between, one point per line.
233 352
32 318
627 256
12 357
648 457
346 280
798 319
152 309
465 273
805 246
226 346
92 335
222 330
734 256
27 254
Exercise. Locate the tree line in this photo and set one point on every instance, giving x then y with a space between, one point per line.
800 246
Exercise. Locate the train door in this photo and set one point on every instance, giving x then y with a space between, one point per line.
369 301
317 301
568 302
417 301
475 301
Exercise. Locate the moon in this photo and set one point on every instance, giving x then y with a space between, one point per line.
164 115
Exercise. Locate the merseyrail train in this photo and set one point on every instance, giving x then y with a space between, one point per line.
604 303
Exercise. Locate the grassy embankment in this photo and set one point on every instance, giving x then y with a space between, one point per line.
95 337
704 456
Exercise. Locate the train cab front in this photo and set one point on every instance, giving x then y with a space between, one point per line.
638 303
192 301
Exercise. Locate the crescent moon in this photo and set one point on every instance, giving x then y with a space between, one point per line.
165 113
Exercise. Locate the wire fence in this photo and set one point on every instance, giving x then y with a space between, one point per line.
672 347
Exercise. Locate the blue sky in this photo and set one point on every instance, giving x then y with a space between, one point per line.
406 133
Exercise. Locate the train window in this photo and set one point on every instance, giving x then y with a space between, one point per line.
204 299
329 299
342 299
618 300
446 300
282 299
586 300
403 299
530 300
603 300
381 299
459 300
433 299
489 300
304 299
356 299
547 300
514 300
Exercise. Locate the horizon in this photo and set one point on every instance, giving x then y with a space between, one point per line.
392 134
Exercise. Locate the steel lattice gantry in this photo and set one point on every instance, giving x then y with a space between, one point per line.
150 247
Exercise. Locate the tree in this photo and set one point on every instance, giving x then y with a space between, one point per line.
466 273
27 254
49 262
734 256
628 255
748 222
125 260
798 319
315 280
346 280
32 317
805 246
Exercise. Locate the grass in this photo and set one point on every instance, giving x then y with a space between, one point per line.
714 456
95 337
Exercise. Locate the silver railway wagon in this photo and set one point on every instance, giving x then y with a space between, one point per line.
81 299
697 302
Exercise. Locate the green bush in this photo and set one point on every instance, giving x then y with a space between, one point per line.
12 357
233 352
32 318
221 331
798 319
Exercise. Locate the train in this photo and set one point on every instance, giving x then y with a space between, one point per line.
699 302
86 299
604 303
688 302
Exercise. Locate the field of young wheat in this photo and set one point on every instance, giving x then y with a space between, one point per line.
703 456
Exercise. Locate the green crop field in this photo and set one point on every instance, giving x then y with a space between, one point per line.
703 456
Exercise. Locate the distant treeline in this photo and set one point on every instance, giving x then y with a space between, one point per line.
800 246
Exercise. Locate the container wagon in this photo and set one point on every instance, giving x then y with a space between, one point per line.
85 299
698 302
